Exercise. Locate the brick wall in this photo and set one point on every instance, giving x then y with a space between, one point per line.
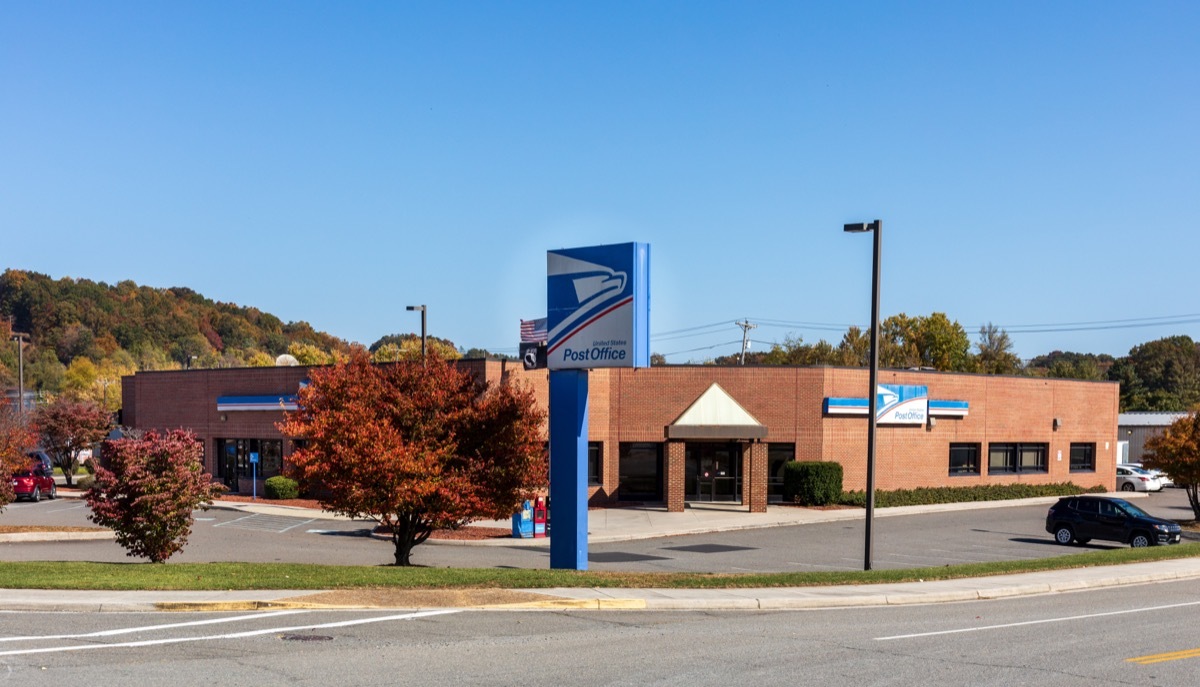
636 405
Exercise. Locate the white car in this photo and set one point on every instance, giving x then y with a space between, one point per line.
1162 476
1136 479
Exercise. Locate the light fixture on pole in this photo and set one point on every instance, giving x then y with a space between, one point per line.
20 338
875 227
422 309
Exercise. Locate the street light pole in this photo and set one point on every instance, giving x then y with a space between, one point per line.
876 228
422 309
20 338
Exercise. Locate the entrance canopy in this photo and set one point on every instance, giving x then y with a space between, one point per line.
715 415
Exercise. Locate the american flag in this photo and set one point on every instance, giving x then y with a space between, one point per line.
533 331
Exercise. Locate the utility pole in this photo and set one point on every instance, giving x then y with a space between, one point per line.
746 327
20 338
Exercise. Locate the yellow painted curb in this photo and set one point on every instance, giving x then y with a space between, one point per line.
200 606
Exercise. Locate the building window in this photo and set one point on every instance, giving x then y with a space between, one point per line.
595 455
1083 457
234 457
639 465
964 459
1016 458
778 456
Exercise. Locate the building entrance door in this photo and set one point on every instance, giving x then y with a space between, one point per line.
229 464
713 471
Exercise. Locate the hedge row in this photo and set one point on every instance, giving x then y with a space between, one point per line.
924 496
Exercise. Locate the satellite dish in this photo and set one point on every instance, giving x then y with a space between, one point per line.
286 360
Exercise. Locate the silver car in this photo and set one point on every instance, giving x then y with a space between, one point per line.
1136 479
1162 476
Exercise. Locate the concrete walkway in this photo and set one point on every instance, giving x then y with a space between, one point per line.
623 524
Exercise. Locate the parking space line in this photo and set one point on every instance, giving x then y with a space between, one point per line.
265 523
305 522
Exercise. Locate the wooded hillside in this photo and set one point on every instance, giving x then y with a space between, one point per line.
84 335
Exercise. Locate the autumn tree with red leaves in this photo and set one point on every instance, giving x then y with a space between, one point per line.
1177 452
148 493
16 439
414 447
68 428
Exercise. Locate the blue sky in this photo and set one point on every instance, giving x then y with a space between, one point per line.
1034 164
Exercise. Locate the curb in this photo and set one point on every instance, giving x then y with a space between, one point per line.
14 537
800 598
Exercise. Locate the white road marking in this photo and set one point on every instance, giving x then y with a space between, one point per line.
149 628
233 635
1038 622
265 523
76 506
297 525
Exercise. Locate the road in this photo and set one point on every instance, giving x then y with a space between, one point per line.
1139 635
934 539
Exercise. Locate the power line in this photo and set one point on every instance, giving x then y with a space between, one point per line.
1043 328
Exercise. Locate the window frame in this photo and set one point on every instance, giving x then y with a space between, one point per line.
972 469
595 465
1013 456
1090 465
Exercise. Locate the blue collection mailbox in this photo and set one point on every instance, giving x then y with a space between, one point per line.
522 522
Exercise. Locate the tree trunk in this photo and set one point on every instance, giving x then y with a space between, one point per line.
407 532
402 538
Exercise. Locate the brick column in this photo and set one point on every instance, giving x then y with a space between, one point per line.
675 475
754 477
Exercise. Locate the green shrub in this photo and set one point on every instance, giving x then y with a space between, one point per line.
923 496
280 487
84 483
812 483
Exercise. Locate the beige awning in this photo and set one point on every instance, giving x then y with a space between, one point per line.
715 415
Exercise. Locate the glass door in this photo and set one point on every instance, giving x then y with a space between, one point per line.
713 471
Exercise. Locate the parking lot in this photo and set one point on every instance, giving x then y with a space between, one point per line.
983 534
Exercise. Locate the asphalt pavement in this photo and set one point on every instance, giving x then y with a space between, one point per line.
625 524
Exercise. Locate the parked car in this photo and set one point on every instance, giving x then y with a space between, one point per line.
33 482
1136 479
39 456
1081 519
1163 478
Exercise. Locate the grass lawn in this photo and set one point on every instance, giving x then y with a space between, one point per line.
244 576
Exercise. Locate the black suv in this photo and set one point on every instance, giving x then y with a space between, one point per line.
1084 518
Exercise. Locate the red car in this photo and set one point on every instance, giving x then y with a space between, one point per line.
33 482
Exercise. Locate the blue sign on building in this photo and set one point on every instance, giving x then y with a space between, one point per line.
898 404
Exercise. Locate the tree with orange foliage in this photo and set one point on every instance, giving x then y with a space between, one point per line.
1177 452
414 447
16 439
